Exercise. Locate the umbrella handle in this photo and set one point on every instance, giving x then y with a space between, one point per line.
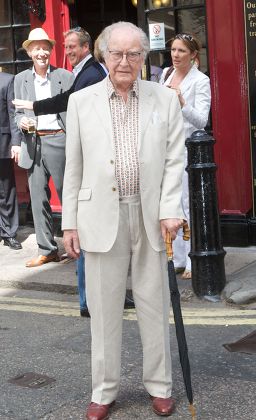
168 244
186 231
168 240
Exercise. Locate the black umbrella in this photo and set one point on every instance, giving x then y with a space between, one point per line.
179 326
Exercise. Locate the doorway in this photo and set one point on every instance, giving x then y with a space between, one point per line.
95 15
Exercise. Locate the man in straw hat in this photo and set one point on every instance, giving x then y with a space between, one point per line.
42 148
87 71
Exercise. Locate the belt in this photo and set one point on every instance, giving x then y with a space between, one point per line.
48 132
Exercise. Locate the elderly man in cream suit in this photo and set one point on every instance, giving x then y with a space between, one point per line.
122 193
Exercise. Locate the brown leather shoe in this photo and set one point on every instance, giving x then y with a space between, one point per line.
163 406
43 259
98 411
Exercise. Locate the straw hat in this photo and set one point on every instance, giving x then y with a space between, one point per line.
37 34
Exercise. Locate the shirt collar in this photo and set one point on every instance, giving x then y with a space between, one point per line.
80 65
39 78
112 92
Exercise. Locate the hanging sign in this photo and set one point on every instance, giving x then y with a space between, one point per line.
250 40
156 36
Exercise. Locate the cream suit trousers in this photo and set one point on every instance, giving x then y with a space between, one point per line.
106 276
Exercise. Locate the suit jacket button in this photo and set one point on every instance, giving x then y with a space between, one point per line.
113 189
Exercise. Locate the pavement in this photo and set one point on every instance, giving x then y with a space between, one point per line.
240 267
42 333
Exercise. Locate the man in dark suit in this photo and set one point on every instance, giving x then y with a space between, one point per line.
10 138
42 152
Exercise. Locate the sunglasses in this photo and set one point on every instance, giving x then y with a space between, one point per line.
79 29
184 36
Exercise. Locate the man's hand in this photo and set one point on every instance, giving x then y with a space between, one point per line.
24 123
71 243
170 225
15 153
21 104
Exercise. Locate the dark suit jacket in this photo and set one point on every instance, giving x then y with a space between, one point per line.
91 73
9 132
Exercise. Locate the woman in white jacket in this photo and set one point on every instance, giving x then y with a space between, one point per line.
193 90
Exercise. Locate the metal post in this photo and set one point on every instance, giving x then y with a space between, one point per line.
207 254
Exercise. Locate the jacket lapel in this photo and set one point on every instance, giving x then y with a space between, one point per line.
146 105
187 81
29 85
102 108
56 83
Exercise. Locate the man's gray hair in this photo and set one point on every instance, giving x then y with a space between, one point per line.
106 34
83 36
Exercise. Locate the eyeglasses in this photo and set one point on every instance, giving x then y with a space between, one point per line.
131 56
184 36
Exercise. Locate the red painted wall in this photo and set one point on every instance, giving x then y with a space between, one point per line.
57 22
226 43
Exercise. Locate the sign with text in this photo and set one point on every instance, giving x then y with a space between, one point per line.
156 36
250 39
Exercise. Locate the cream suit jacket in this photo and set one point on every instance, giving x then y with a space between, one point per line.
90 193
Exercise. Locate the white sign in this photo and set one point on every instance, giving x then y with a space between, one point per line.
156 36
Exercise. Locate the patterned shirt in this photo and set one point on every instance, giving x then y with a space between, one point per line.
125 130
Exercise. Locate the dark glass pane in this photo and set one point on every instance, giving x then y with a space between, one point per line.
20 13
20 35
189 2
5 12
23 66
6 47
7 68
192 21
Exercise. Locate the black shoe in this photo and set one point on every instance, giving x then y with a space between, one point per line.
84 312
12 243
129 302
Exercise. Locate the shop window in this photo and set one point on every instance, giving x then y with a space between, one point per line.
177 16
14 28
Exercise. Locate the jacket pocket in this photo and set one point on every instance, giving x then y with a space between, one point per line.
84 194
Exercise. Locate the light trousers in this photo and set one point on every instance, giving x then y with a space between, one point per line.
106 276
181 248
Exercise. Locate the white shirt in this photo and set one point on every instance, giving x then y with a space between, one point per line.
80 65
43 91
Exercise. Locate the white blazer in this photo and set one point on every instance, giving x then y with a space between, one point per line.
90 193
195 89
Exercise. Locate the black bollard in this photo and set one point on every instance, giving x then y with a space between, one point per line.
207 254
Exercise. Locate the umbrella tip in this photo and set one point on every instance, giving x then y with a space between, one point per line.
192 411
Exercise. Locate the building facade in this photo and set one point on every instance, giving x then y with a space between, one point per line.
226 29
